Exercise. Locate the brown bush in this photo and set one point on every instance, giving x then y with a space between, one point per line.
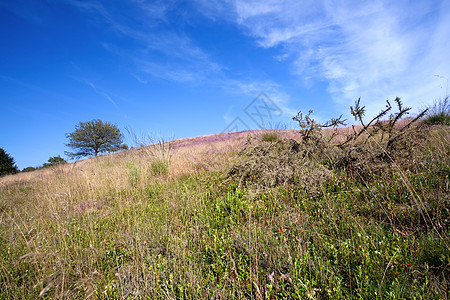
265 165
372 148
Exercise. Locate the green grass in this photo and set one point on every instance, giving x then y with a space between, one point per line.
439 113
439 119
270 137
118 231
160 167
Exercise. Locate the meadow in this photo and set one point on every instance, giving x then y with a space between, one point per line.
268 214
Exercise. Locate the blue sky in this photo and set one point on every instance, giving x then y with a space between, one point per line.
188 68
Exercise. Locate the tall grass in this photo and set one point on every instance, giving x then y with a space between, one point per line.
120 226
439 112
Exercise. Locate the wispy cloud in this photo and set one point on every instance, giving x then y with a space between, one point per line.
171 54
158 52
370 49
102 93
179 59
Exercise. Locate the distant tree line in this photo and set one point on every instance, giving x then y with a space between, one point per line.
52 161
8 165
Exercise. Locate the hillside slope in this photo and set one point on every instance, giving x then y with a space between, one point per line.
247 215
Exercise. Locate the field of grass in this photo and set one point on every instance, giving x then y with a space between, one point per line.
198 219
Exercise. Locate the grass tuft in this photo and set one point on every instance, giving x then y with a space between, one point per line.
271 137
439 113
160 167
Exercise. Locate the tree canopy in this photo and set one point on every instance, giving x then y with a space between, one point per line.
94 137
7 164
55 160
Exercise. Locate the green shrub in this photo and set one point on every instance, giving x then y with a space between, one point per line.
269 137
439 113
160 167
54 161
28 169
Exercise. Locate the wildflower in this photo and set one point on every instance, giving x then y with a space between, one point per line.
117 274
271 276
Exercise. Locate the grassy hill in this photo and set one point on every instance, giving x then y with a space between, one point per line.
249 215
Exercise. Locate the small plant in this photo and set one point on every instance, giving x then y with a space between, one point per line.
310 129
269 137
160 167
158 148
133 174
439 113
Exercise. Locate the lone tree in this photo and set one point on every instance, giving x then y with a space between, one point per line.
7 164
94 137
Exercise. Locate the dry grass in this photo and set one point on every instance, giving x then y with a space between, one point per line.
166 221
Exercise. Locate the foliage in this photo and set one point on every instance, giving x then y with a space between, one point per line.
439 113
54 161
94 137
160 167
271 136
29 169
7 164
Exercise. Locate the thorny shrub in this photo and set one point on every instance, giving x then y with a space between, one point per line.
371 148
374 147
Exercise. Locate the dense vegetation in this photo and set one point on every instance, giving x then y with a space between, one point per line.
7 164
361 212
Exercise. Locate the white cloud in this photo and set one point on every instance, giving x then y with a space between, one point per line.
375 50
